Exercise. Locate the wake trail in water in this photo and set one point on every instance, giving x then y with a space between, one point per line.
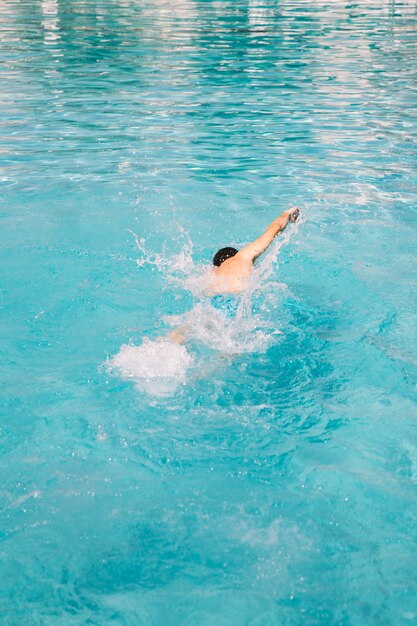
160 366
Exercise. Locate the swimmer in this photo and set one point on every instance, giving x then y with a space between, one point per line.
233 268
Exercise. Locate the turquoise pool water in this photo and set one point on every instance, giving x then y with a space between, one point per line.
266 474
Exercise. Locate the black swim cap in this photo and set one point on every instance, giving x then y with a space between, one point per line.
223 254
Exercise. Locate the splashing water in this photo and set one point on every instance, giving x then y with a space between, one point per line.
180 264
159 367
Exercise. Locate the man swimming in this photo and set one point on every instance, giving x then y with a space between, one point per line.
233 268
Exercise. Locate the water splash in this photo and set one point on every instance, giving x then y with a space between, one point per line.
160 366
176 268
157 367
211 328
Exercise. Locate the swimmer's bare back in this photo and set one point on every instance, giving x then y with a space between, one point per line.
233 275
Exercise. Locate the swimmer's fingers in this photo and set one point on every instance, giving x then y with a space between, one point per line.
293 214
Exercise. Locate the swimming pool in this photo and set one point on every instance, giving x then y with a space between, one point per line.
274 481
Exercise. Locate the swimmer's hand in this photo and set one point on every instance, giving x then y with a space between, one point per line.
293 214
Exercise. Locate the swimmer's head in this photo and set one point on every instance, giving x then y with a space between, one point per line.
223 254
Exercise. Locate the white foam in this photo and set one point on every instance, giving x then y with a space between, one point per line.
210 327
158 367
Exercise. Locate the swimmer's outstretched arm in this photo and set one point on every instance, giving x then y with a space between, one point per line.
255 249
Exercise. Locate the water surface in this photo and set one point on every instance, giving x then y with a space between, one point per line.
276 484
